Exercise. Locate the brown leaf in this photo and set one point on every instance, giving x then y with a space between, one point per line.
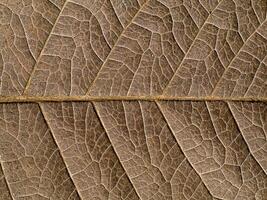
133 99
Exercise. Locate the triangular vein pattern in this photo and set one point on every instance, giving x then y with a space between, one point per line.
30 159
196 48
134 150
251 119
153 47
87 151
149 152
211 140
80 43
133 99
230 36
24 29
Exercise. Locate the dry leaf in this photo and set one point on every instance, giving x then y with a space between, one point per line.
133 99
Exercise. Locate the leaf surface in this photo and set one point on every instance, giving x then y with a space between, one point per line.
133 99
31 161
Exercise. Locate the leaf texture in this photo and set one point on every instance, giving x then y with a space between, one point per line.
210 138
5 192
30 158
80 43
25 27
133 100
149 152
87 151
251 118
134 150
195 48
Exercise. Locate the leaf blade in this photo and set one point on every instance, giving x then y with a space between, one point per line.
30 157
87 151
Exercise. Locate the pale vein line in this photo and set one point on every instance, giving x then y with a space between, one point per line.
103 125
255 76
54 139
40 55
7 99
109 54
241 48
116 14
214 129
171 130
190 47
7 184
232 113
1 162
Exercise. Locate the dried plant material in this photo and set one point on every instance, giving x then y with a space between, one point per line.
133 99
135 48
